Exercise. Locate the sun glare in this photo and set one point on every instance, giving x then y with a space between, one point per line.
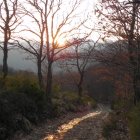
61 42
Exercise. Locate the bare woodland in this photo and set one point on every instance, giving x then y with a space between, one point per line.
97 50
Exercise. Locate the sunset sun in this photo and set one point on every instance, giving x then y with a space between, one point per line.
61 42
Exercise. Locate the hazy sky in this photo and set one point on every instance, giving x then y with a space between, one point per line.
17 59
85 9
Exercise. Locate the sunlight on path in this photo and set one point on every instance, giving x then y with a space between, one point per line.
66 127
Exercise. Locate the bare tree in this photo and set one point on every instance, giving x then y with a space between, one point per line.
57 23
78 59
122 20
34 45
114 54
35 50
9 21
115 58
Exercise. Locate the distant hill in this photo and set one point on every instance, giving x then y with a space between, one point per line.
17 60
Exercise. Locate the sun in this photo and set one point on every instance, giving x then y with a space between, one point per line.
61 41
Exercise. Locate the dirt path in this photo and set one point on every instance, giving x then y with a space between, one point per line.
79 126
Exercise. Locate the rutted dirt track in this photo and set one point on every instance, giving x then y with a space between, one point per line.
79 126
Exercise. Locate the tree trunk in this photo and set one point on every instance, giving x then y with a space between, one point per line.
136 80
137 73
134 56
5 56
40 77
80 89
49 84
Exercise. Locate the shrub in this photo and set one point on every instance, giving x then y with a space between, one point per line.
1 82
88 101
58 107
20 82
134 122
70 96
122 104
56 89
15 108
116 126
18 103
27 84
21 103
64 102
109 125
69 101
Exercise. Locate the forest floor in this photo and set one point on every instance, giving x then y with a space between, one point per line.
72 126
